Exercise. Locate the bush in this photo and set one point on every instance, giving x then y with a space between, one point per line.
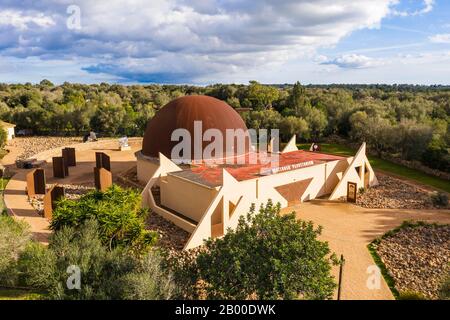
268 256
411 295
118 212
440 199
3 137
14 236
444 290
105 274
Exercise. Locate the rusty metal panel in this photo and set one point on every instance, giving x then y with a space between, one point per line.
102 160
36 182
60 169
102 179
69 156
50 199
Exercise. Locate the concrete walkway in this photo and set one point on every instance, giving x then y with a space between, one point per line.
349 229
16 199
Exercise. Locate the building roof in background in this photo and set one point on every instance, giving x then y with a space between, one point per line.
6 124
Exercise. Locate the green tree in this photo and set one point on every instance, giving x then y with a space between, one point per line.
261 96
317 122
293 125
104 273
268 256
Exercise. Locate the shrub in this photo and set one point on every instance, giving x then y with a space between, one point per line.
105 274
439 199
411 295
444 290
14 236
268 256
118 212
3 137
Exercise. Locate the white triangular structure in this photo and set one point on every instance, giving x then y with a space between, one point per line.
204 227
291 145
311 148
167 165
359 171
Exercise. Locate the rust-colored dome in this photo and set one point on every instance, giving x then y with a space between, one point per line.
181 113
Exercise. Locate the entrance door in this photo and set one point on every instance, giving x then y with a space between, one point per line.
293 192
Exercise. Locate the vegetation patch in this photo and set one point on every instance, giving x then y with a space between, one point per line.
119 215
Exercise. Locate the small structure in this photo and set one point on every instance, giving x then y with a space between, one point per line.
102 178
9 128
315 147
69 156
60 168
123 144
51 197
36 182
102 161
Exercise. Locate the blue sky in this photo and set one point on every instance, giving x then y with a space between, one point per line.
211 41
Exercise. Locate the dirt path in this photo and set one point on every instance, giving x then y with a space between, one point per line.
349 229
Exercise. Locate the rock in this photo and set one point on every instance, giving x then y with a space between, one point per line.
392 193
417 258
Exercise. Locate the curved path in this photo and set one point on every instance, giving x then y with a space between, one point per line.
349 229
16 199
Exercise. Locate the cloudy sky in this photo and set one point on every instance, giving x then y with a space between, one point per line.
210 41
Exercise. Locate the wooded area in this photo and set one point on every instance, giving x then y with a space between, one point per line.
410 122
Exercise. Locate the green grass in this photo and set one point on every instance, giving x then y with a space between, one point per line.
18 294
386 166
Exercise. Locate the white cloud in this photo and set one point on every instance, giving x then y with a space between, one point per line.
354 61
225 36
22 21
427 7
440 38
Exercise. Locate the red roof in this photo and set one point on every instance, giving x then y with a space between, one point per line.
212 175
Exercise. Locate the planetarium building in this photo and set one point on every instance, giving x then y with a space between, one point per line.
205 197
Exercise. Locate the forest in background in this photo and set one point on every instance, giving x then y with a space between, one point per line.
403 121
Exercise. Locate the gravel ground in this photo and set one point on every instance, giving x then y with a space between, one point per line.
35 145
417 258
172 237
392 193
71 191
